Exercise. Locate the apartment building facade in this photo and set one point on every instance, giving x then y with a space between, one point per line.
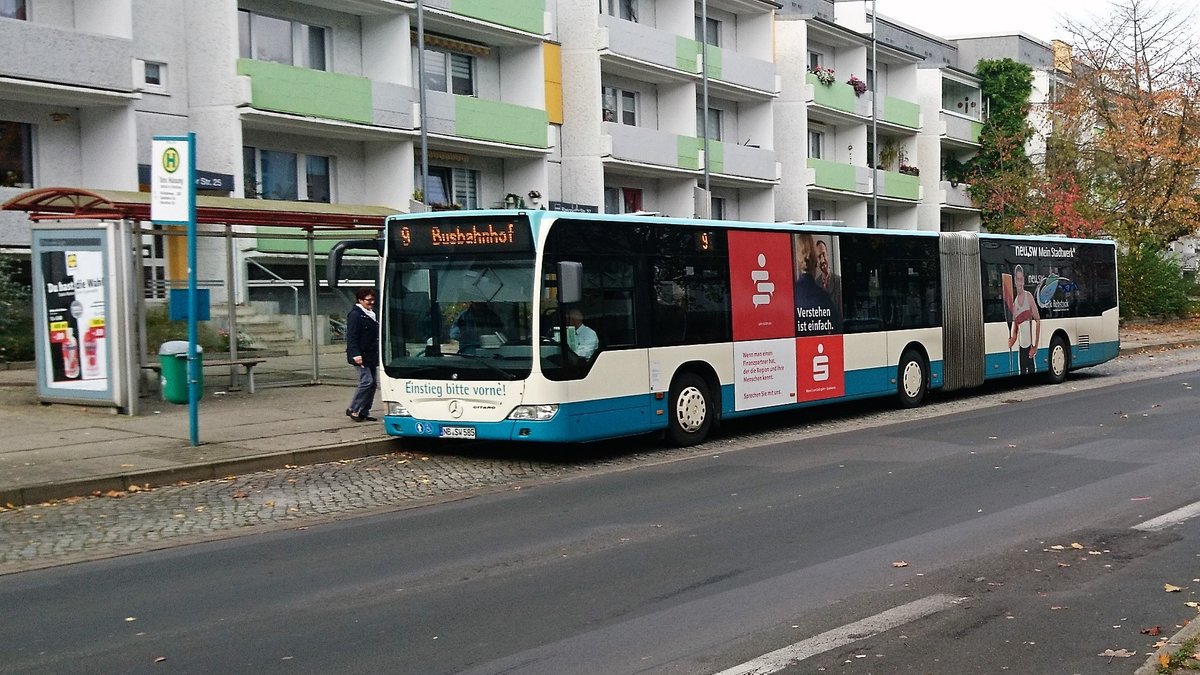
588 104
634 130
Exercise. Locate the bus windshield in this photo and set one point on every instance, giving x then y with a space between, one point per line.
463 317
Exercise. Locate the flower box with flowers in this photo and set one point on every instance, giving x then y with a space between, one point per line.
858 85
909 170
824 75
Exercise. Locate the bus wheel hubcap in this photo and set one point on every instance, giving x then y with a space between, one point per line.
690 409
1058 360
912 378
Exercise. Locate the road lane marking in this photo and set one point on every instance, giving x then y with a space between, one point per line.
779 659
1168 519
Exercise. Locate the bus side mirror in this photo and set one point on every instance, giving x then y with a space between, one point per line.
570 282
333 267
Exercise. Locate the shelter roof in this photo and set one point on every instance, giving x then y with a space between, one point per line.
61 203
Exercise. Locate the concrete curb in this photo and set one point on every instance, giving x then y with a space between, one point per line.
1151 666
1158 346
38 494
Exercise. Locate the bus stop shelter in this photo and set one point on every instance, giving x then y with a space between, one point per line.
310 225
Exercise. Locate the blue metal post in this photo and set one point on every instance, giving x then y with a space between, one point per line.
193 368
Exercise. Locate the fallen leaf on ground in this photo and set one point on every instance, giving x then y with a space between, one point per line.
240 495
899 563
1172 588
1077 546
1152 631
1164 660
1058 547
1119 653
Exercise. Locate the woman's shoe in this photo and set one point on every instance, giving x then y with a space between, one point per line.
349 413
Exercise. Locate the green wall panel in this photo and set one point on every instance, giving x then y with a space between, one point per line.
686 51
833 175
901 185
836 95
304 91
500 122
899 111
688 152
526 15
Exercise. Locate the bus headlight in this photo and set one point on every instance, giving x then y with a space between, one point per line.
394 408
540 413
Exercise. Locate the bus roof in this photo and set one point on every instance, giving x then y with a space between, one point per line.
540 218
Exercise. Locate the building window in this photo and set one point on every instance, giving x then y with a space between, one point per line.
816 214
961 98
13 9
714 31
154 76
714 123
815 60
816 144
622 200
16 154
451 188
447 71
622 9
274 174
292 43
620 106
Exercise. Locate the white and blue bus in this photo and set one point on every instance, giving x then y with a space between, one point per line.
548 326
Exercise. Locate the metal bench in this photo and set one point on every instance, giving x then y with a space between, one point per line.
247 364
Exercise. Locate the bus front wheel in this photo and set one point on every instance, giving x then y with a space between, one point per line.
691 411
912 379
1059 359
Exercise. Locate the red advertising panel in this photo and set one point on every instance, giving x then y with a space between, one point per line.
820 368
760 272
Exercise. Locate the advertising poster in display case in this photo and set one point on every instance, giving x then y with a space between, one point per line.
76 311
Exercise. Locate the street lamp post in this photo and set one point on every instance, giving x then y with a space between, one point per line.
874 122
421 97
873 159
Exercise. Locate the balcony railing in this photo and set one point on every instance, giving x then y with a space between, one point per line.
303 91
42 53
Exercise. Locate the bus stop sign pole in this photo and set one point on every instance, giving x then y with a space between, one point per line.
173 202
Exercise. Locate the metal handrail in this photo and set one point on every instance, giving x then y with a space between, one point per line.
295 292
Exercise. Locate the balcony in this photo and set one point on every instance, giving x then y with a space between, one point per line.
900 112
523 15
726 66
961 129
899 185
651 146
838 96
955 195
44 56
307 92
500 122
739 161
841 177
648 45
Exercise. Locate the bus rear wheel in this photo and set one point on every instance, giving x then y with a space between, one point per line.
1059 359
690 416
912 379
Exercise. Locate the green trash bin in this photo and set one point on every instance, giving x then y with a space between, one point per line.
172 358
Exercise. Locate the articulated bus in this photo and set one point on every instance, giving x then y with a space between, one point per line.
550 326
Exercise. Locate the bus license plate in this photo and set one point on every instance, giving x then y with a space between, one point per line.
458 432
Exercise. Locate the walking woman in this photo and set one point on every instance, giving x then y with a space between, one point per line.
362 352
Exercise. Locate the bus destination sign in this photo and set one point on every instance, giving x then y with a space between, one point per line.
466 235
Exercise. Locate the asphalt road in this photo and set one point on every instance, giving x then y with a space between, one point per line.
698 561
